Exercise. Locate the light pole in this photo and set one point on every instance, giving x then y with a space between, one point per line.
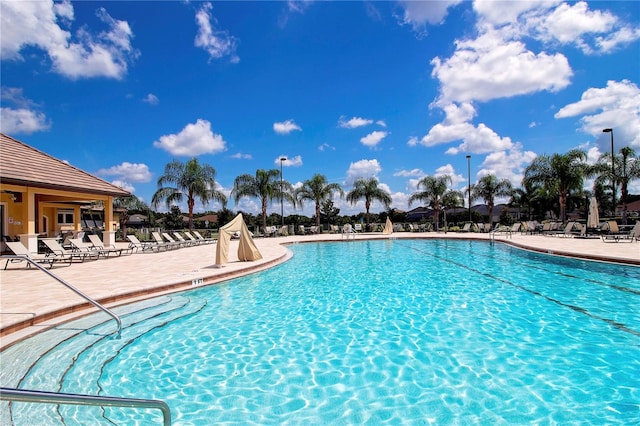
469 185
613 172
282 190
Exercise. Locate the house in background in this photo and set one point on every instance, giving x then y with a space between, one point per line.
41 196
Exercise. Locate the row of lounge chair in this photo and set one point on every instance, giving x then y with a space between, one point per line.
57 253
164 241
79 250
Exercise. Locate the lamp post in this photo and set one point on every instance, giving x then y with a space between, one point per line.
469 185
282 190
613 172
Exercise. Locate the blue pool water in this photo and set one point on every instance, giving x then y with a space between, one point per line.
375 332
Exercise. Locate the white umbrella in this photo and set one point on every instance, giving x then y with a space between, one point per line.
593 219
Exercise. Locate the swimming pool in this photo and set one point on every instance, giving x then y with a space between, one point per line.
394 331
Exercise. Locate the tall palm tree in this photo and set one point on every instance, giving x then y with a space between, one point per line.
317 189
368 189
434 190
192 179
266 186
560 174
627 169
488 188
451 200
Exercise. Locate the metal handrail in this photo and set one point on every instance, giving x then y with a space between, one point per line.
72 288
23 395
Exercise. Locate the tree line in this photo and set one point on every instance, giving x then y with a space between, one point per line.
551 183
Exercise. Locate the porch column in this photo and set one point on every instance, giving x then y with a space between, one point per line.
29 238
109 233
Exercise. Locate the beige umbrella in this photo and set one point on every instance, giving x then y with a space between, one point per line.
593 218
388 227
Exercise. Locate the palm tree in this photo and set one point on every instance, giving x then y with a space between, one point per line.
434 190
191 178
317 189
489 187
560 174
265 185
526 197
123 205
451 200
368 189
627 169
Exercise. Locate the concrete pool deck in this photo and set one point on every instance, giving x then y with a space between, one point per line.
31 301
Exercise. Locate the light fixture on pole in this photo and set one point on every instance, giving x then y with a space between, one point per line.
613 172
469 185
282 190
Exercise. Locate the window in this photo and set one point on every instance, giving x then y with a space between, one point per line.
65 217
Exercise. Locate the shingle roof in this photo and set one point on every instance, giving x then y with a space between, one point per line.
21 164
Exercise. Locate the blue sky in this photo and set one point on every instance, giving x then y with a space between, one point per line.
395 90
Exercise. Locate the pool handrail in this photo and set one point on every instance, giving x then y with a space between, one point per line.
24 395
69 286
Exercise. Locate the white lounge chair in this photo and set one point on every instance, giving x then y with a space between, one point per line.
97 243
58 250
181 239
20 250
82 247
136 244
348 231
161 242
170 240
194 240
201 238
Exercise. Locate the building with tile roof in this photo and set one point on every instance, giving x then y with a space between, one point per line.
41 196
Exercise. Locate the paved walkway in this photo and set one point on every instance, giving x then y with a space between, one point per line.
30 300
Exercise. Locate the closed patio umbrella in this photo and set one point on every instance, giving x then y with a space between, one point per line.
593 218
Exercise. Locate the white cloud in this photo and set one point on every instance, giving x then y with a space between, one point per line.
418 14
354 122
325 147
215 42
448 170
130 172
193 140
413 141
615 106
381 123
568 22
410 173
455 126
507 164
298 6
373 138
362 168
498 13
493 67
151 99
22 120
295 161
552 22
37 24
285 127
124 185
241 156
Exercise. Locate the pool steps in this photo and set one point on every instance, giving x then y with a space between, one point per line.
45 364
